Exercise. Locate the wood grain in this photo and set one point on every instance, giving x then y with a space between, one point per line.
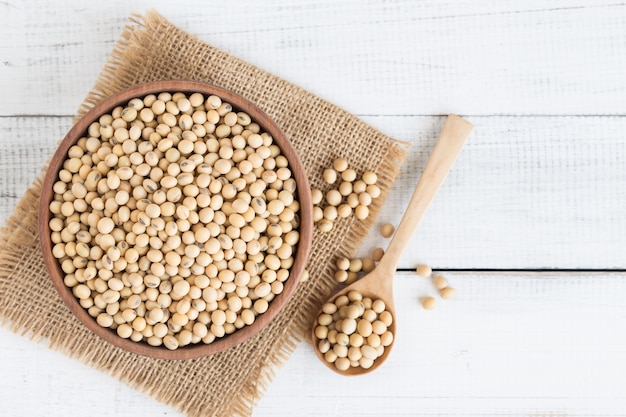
514 344
525 193
510 344
400 57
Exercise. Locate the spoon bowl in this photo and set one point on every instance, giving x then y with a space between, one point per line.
378 284
375 285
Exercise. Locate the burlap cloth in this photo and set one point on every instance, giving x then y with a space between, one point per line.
226 384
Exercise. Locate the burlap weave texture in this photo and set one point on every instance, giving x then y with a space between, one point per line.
226 384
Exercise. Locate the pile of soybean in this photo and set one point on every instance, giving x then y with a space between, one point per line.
353 331
175 219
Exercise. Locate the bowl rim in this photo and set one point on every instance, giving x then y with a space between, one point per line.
239 103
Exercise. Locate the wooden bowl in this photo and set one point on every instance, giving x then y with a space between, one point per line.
303 195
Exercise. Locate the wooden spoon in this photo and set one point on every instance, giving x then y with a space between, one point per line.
378 284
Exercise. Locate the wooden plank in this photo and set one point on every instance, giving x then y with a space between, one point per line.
392 58
513 344
510 344
526 192
26 143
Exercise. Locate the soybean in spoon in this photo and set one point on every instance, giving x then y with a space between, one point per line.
378 284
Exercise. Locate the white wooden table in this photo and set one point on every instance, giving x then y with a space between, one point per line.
530 226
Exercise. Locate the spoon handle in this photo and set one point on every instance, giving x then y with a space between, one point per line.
451 139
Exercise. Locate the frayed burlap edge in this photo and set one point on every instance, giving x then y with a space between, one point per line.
19 248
